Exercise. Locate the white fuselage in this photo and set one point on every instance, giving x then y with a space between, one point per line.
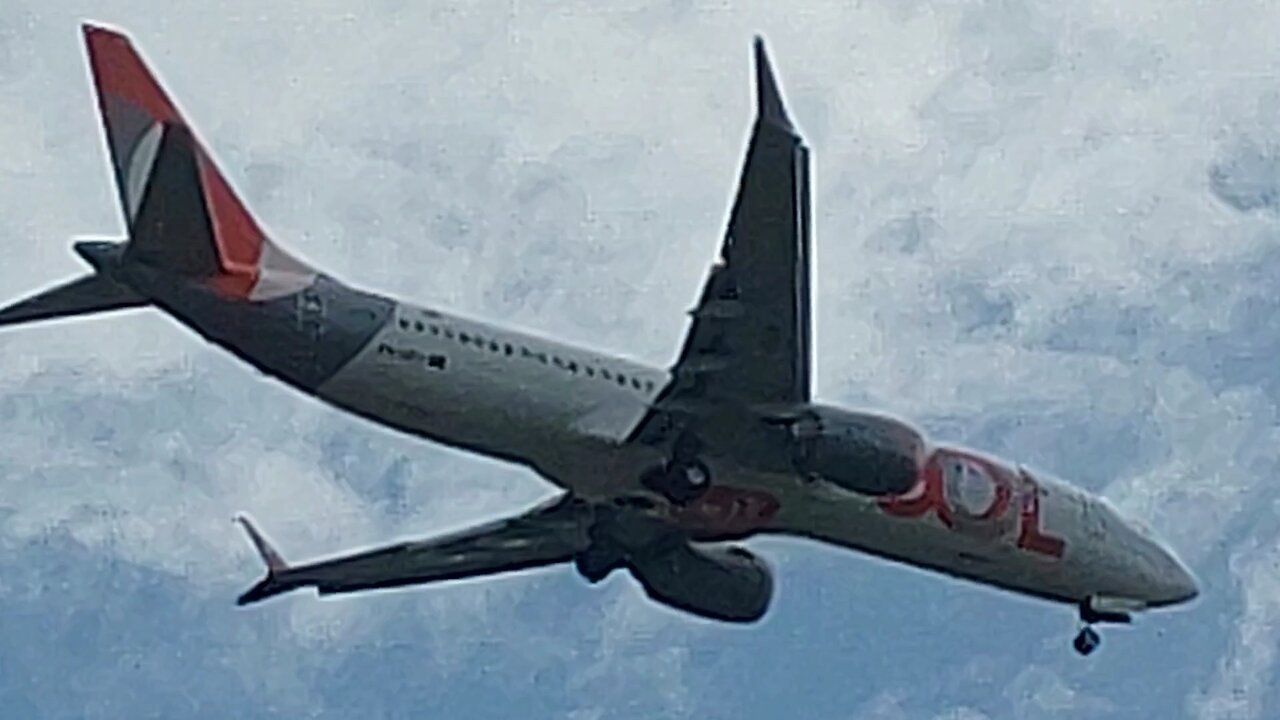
565 411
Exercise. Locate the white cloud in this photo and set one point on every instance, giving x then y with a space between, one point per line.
1242 684
1016 218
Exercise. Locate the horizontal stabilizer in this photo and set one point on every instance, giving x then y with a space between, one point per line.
88 294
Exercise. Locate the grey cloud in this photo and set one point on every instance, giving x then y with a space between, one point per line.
977 309
1247 177
905 234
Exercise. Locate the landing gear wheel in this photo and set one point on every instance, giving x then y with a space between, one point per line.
679 482
696 477
593 568
600 559
1087 641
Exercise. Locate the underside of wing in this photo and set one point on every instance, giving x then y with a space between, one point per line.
749 343
726 583
547 535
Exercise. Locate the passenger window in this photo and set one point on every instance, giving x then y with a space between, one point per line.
573 366
508 349
464 338
591 372
635 383
493 346
605 374
436 362
404 324
648 385
622 380
417 325
448 333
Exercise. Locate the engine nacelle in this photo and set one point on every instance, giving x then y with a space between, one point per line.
864 453
730 584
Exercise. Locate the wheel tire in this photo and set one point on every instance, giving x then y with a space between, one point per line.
679 482
1087 641
688 481
696 476
595 565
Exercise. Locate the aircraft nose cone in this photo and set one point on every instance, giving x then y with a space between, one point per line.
1174 583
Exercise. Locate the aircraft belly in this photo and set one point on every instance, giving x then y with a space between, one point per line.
482 401
860 524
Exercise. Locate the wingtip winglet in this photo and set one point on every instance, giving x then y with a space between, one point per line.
272 558
769 102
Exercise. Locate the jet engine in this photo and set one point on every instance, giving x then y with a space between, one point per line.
860 452
730 584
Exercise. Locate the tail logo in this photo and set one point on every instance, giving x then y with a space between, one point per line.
182 213
142 159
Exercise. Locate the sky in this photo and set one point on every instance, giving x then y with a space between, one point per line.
1046 230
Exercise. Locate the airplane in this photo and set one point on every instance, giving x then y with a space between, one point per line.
663 473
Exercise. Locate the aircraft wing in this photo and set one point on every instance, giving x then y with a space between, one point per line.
547 535
749 343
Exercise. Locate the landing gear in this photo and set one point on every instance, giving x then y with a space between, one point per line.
1087 640
604 554
594 566
684 477
601 558
622 532
681 482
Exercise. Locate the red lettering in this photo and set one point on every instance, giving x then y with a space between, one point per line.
927 495
726 510
933 494
1030 537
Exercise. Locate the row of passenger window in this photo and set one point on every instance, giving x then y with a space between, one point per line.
506 348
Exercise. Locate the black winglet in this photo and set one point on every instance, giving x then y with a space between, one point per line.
769 103
270 557
273 583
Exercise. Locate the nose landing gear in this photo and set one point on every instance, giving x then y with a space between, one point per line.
1088 639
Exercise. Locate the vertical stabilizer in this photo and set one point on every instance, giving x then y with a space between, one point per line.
182 214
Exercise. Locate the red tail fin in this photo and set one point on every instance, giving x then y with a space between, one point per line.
182 213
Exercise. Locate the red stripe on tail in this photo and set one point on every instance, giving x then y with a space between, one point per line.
131 100
237 234
119 72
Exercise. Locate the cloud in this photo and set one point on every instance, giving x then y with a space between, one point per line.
1242 681
1248 177
1042 229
